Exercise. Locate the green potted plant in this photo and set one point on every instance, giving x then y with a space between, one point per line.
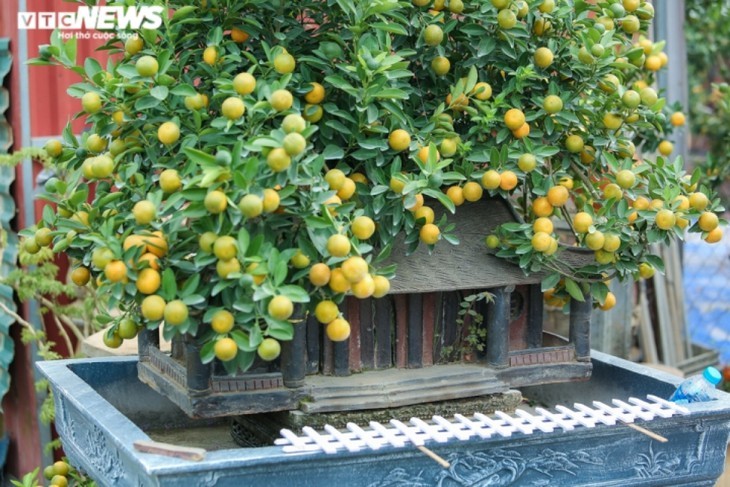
249 157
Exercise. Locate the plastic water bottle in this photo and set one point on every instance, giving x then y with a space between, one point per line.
697 388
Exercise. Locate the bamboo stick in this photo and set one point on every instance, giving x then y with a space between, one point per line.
168 450
433 456
647 432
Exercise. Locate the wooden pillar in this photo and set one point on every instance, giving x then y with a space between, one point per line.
430 305
400 304
147 339
415 330
314 329
534 316
294 356
384 326
450 313
178 348
580 327
198 373
342 358
352 314
498 328
367 334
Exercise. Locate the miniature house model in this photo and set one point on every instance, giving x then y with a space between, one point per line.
405 348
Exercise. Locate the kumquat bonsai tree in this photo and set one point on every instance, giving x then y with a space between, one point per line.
254 160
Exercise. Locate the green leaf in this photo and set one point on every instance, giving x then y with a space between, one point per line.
146 102
295 293
207 352
391 94
333 152
442 198
159 92
495 157
281 330
215 36
198 156
451 238
38 62
183 12
348 7
48 215
340 83
696 175
550 281
169 285
127 71
338 126
194 299
599 291
69 48
471 79
655 261
255 337
109 198
244 360
546 151
231 366
481 156
242 340
243 241
56 40
190 286
392 28
513 227
79 196
92 67
280 271
246 176
183 90
574 290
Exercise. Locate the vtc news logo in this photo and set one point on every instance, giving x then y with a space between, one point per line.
101 18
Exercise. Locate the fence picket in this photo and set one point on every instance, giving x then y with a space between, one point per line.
637 411
537 421
441 430
366 437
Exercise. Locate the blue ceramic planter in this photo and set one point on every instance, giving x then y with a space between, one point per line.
102 408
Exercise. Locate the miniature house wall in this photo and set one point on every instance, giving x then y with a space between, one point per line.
404 348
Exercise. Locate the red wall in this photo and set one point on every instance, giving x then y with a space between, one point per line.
50 110
21 420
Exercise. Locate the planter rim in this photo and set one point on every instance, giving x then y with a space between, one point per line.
62 377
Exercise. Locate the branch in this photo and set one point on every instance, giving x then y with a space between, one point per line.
17 157
585 180
64 334
566 215
588 280
17 318
64 319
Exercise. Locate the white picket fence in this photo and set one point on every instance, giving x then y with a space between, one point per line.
440 430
